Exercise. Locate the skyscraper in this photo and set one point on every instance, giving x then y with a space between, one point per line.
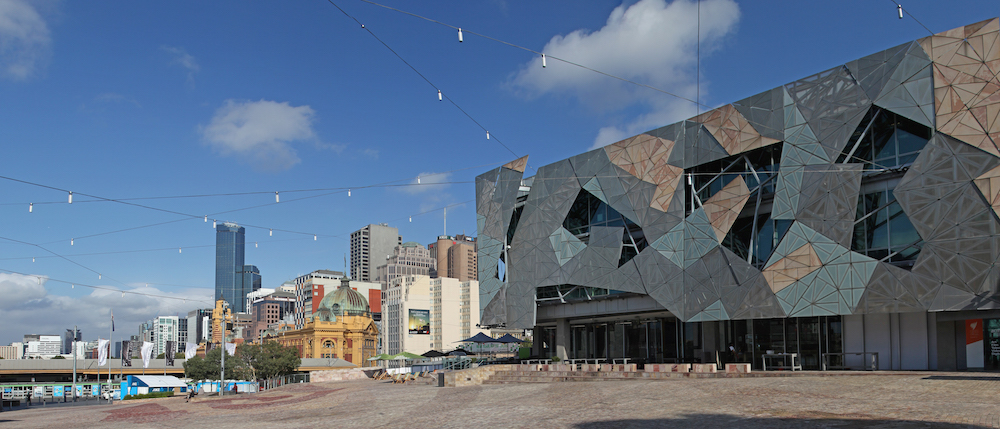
230 241
370 247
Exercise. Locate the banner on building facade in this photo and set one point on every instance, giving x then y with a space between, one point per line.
102 351
190 351
974 353
420 322
147 353
171 351
126 353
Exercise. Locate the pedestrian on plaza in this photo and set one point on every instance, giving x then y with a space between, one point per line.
732 350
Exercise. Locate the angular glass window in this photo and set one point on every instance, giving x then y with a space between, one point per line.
885 140
589 211
882 230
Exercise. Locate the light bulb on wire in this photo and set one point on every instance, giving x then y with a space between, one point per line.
71 197
276 199
31 207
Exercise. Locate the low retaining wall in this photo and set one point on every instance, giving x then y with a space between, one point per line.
337 375
472 376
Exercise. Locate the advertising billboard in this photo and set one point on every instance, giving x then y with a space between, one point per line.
420 322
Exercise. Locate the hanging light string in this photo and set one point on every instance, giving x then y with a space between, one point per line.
441 96
901 11
110 289
544 56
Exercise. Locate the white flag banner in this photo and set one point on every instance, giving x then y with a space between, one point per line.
147 352
190 351
231 348
102 351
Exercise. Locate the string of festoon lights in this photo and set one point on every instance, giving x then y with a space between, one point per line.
417 181
543 56
441 96
123 292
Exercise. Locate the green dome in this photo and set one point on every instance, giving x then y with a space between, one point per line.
343 301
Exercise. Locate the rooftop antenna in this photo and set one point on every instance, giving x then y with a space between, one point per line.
445 221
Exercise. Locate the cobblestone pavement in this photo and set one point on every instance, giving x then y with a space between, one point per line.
939 400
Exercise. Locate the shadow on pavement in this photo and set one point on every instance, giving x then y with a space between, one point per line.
963 377
727 421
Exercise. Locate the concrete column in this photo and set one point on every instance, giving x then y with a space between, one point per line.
536 341
562 338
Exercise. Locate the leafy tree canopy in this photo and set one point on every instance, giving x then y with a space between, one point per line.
251 362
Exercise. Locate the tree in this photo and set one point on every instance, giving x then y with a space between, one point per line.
179 355
58 357
204 368
160 356
263 361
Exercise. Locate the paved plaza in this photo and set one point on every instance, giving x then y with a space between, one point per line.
940 400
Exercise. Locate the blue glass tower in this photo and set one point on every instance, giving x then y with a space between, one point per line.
230 245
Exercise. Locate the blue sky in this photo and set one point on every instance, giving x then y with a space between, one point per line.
129 100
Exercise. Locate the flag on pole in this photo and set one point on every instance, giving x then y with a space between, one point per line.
231 348
102 351
147 352
190 351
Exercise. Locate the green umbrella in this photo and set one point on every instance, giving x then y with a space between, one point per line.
382 356
406 355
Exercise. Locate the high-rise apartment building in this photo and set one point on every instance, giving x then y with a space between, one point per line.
456 257
370 247
160 330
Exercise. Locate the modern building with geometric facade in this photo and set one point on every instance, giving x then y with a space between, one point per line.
851 211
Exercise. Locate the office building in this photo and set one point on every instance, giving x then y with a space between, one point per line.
199 324
230 245
13 351
421 314
455 256
310 290
42 346
370 247
67 340
266 310
851 211
408 259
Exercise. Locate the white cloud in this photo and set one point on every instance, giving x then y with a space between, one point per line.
651 42
370 153
24 40
260 132
184 59
428 182
33 308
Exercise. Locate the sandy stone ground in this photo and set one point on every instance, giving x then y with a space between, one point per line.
923 400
